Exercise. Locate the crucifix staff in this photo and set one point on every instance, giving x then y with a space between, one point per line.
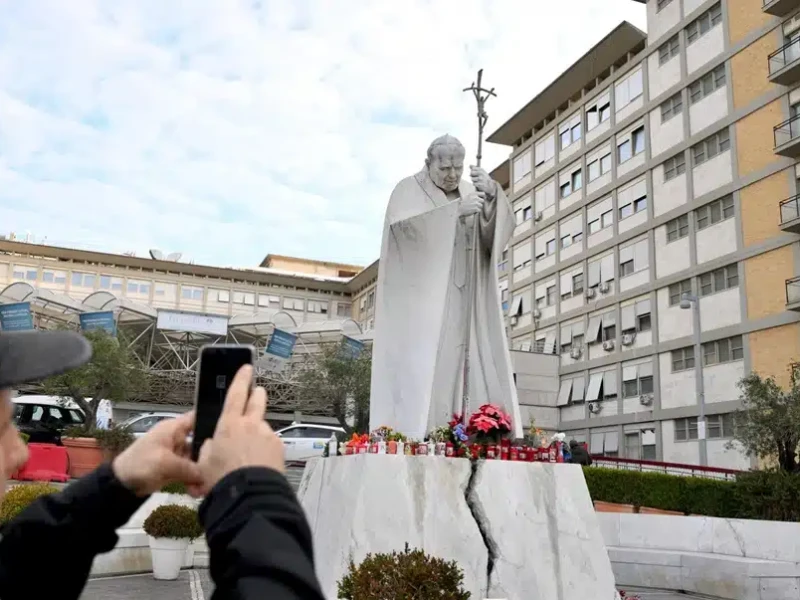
481 96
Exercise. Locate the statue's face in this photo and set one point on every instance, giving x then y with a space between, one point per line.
446 167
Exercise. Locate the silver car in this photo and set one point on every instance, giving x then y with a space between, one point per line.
141 424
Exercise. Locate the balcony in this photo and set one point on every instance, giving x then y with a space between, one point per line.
779 8
784 64
787 137
790 214
793 294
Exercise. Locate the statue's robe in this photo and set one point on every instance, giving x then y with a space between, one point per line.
421 311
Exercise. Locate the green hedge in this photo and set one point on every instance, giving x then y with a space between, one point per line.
766 495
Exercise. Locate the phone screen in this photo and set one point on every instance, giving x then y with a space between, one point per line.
218 366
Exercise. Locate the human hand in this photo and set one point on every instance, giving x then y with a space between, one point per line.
242 437
159 457
483 183
472 204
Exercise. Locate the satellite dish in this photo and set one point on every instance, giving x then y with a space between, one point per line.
156 255
174 257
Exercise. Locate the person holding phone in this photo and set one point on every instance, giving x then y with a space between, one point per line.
259 540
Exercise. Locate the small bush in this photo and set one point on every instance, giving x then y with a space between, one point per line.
19 497
768 495
174 488
114 440
407 575
173 521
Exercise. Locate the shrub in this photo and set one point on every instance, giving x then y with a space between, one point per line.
19 497
768 495
173 521
113 441
174 488
406 575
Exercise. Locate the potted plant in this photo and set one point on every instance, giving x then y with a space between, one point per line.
170 529
113 373
19 497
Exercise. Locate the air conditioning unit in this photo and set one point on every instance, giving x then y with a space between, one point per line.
608 345
646 399
576 352
537 313
604 287
513 320
595 407
590 292
627 338
539 216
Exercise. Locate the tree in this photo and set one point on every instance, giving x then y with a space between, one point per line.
113 373
768 424
333 379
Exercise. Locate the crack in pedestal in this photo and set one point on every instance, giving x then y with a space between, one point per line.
478 514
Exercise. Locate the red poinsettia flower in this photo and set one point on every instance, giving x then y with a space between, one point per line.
484 424
457 419
491 410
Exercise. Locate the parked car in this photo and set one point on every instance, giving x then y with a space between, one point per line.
141 424
303 441
44 418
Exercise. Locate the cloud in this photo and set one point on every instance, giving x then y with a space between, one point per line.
230 130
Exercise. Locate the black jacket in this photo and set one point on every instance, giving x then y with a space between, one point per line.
580 455
258 538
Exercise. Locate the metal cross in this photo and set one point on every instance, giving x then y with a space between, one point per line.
481 96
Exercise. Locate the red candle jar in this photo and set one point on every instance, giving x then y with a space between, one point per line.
349 451
449 450
513 453
504 452
373 448
523 454
475 451
422 449
491 452
362 449
408 449
391 448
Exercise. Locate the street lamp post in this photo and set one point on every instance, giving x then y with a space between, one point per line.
689 301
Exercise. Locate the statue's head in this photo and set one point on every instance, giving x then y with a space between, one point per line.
445 162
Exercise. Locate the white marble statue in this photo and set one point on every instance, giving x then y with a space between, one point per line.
422 297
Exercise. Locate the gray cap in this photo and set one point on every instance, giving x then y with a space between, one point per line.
27 356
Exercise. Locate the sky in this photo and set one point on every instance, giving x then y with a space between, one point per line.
229 130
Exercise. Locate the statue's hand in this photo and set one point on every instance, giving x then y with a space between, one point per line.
471 205
483 183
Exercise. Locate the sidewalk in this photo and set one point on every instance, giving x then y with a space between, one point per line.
190 585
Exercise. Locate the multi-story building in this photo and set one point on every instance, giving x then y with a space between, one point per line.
657 166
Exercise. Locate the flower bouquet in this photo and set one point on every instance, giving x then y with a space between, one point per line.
489 424
358 444
385 440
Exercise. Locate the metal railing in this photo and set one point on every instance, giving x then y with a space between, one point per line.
793 290
652 466
787 131
783 56
790 209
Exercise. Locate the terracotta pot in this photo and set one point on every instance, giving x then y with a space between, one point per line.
643 510
84 455
610 507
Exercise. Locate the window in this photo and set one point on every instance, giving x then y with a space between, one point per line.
671 107
571 391
718 280
545 150
636 317
682 359
604 444
550 247
83 280
344 310
633 208
711 147
637 137
223 296
164 289
316 306
637 380
570 133
677 228
704 23
56 277
599 112
632 146
293 303
523 214
624 151
275 302
522 166
668 50
707 84
138 287
107 282
674 166
723 351
677 290
577 283
628 90
551 295
574 184
714 212
720 426
661 4
191 293
634 257
599 167
685 429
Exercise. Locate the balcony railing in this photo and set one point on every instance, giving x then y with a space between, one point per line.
790 210
786 132
784 56
793 292
630 464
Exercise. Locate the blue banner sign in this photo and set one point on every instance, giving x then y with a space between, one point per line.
99 320
16 317
351 348
281 344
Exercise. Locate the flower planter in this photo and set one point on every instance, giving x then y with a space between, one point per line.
84 455
168 557
611 507
643 510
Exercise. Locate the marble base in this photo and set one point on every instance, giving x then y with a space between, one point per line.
518 530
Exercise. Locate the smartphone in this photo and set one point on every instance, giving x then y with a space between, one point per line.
216 369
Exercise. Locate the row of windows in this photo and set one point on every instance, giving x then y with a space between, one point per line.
705 216
714 353
717 427
718 280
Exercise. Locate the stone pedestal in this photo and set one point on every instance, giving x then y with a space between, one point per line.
518 530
